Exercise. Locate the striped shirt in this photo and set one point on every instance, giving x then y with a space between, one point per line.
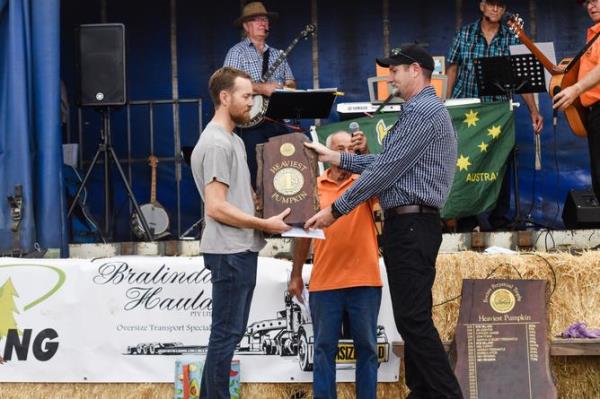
245 56
417 164
469 44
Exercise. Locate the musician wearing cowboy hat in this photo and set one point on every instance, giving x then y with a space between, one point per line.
254 56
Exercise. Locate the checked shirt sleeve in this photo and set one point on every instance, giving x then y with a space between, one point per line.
356 163
406 145
454 54
233 58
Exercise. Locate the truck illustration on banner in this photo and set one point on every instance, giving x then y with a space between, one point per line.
290 333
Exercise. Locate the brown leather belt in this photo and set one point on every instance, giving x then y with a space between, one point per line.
406 209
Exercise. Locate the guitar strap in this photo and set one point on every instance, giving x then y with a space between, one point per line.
582 52
265 65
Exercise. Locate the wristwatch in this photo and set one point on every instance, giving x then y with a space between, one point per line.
335 212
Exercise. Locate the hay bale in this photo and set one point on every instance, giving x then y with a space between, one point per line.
575 297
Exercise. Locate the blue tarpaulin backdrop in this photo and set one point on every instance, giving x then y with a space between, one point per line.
350 36
30 138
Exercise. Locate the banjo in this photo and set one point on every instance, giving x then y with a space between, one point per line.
260 103
155 214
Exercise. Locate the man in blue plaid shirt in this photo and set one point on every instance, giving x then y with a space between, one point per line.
486 37
253 56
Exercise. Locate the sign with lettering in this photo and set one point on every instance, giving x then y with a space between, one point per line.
129 318
287 178
501 341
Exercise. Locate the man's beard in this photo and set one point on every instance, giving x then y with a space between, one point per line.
240 118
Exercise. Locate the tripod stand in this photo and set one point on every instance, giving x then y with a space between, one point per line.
506 76
105 148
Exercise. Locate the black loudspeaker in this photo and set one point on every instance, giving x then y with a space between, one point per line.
581 210
102 65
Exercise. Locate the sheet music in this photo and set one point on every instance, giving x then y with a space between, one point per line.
547 48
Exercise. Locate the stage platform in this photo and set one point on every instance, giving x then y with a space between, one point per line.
497 242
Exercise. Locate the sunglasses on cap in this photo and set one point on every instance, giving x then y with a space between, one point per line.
397 52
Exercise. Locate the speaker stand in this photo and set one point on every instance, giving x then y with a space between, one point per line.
106 148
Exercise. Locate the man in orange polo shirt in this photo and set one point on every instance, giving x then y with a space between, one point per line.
345 279
588 89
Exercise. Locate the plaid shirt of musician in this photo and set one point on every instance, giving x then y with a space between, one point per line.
469 44
417 164
245 56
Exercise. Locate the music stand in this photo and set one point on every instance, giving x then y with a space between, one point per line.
506 76
301 104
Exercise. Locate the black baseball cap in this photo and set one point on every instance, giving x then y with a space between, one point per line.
500 3
407 55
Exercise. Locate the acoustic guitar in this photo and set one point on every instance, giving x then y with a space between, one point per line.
564 74
155 214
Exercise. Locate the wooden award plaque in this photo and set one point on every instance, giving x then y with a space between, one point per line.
287 178
501 341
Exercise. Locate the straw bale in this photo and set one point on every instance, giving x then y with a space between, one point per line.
575 297
576 377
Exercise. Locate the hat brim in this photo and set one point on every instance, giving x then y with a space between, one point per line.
384 62
271 15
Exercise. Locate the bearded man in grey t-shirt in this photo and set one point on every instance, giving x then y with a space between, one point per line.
232 236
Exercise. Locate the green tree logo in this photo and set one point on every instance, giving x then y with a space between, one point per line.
8 308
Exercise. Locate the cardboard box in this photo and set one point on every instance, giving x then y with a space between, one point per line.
188 376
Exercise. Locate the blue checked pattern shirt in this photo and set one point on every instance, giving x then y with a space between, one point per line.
417 164
468 44
246 57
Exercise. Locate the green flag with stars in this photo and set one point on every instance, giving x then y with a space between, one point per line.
486 136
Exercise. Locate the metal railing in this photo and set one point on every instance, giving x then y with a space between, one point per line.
176 158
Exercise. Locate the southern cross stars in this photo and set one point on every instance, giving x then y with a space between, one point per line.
471 118
494 131
463 163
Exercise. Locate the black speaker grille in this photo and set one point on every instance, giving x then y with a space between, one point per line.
102 64
581 210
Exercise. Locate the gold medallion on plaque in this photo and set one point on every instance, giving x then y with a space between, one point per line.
502 300
288 181
287 149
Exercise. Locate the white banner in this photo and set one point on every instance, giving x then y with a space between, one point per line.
126 319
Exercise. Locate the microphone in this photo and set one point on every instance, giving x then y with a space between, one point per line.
354 127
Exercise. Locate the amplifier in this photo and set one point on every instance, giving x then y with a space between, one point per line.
581 210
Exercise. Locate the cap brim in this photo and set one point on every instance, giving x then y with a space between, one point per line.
384 62
273 16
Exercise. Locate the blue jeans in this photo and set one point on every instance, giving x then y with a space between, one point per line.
361 304
233 281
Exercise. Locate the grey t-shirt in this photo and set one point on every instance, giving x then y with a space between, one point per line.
220 156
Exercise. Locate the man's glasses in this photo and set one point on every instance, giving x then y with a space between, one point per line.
587 3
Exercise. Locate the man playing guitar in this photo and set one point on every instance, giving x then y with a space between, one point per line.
588 89
253 56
